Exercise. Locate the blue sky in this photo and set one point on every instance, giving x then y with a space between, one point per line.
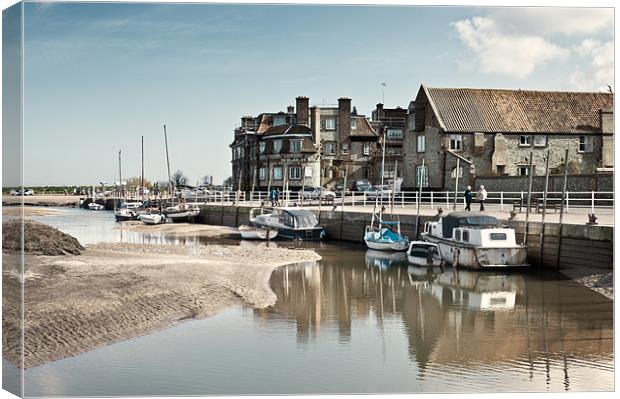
99 76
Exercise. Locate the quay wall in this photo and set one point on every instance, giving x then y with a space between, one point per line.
581 245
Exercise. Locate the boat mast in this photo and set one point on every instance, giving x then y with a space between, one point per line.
170 184
120 178
380 193
142 177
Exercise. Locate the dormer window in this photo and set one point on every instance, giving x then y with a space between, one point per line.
261 147
277 145
296 145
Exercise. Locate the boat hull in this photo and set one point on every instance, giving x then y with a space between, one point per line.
253 233
152 219
386 246
479 257
182 217
308 234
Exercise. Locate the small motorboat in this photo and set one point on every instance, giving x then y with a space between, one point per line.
256 233
292 223
93 206
152 218
124 214
475 240
181 213
422 253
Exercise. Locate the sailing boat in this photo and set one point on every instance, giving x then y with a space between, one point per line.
386 235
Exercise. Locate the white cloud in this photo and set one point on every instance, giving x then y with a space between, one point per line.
599 69
553 20
508 54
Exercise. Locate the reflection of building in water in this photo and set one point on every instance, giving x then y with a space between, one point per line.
451 318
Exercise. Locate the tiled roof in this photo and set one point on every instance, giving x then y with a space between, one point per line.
362 128
273 130
287 129
492 110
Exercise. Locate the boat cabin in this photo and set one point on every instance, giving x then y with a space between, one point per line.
471 228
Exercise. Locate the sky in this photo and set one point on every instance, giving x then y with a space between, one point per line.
99 76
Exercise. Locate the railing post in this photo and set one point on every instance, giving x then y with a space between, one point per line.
432 204
402 199
352 198
567 201
447 199
501 200
592 201
364 199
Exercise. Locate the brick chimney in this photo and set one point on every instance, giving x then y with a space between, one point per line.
290 109
301 104
344 117
379 112
315 121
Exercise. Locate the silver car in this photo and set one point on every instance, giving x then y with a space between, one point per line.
313 193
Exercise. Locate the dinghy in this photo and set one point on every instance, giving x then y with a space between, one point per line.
153 218
254 233
422 253
93 206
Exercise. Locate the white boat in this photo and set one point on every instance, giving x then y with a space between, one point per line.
422 253
475 240
93 206
181 213
256 233
385 238
124 214
153 218
291 223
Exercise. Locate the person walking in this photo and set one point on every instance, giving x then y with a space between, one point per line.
272 196
469 196
481 196
277 197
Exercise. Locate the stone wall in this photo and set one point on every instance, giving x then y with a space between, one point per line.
589 182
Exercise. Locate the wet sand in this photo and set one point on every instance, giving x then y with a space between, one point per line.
114 292
41 200
182 229
29 211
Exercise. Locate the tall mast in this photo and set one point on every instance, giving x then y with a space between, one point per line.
142 178
170 184
120 177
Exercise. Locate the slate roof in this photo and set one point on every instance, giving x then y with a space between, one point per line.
516 111
287 129
363 128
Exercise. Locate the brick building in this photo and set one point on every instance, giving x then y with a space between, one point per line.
391 125
305 145
498 129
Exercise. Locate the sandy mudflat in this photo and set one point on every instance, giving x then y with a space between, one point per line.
41 200
113 292
28 211
184 229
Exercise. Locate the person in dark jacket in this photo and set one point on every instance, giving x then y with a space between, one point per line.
469 196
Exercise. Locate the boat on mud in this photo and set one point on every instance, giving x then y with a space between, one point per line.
93 206
256 233
475 240
152 218
181 213
291 222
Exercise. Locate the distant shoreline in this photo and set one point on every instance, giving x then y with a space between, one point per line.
41 200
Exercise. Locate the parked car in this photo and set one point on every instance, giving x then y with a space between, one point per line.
29 192
374 192
362 185
313 193
16 192
22 192
340 186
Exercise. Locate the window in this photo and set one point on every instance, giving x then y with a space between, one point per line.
366 173
457 235
585 144
497 236
394 134
421 173
353 124
421 142
453 174
294 173
330 123
277 145
366 149
456 142
330 148
524 170
501 169
261 147
524 141
262 173
345 148
466 235
295 145
277 172
540 141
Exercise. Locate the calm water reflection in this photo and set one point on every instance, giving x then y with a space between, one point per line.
361 322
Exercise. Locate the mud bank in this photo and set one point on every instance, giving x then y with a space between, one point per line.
182 229
28 211
114 292
41 200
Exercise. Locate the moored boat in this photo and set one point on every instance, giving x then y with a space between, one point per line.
256 233
181 213
124 214
422 253
475 240
152 218
93 206
385 238
291 223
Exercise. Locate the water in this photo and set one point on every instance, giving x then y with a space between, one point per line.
357 321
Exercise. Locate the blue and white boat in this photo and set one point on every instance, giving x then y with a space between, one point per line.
291 223
385 237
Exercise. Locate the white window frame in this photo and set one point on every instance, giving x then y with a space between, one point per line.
277 172
330 145
525 140
537 140
456 142
344 148
262 173
366 149
296 145
294 172
586 144
330 123
421 143
353 123
261 147
453 173
421 174
277 145
526 168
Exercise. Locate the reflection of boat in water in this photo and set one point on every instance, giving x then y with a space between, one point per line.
291 223
475 240
256 233
258 243
422 253
384 260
